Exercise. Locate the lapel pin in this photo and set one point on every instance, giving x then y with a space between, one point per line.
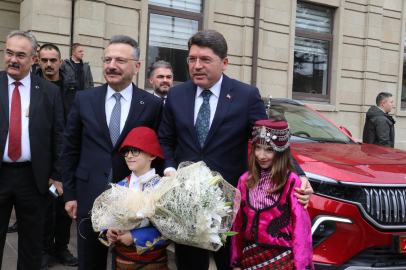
228 96
37 87
142 102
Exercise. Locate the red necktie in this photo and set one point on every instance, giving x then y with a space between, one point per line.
14 136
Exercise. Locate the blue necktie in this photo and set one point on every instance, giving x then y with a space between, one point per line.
202 124
114 127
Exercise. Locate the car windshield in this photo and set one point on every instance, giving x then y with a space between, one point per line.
305 124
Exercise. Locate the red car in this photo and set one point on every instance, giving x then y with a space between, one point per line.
358 208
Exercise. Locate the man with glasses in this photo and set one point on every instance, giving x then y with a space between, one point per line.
209 118
57 225
98 122
31 121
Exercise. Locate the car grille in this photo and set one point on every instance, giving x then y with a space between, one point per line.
387 206
378 257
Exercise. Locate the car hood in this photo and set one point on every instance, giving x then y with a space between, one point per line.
364 163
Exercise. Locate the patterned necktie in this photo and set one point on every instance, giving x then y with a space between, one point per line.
14 136
114 127
202 124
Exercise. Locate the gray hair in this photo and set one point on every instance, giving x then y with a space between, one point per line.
127 40
31 38
160 63
211 39
381 97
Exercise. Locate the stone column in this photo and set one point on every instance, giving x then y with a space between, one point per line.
48 20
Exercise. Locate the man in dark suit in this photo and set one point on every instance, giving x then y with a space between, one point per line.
99 120
31 121
210 118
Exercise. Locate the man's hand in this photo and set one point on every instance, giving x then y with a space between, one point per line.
237 268
58 186
71 207
305 191
169 174
126 238
112 235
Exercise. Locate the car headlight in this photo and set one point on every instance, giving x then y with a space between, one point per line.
329 187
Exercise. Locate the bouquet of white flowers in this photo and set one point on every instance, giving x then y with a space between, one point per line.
195 207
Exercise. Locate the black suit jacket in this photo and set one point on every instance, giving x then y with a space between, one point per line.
88 153
226 146
45 128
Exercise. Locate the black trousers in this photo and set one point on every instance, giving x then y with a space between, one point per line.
92 254
57 226
19 189
192 258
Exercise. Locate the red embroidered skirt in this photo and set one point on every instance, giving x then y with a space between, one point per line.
128 259
261 258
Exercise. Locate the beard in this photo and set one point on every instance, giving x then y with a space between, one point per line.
160 91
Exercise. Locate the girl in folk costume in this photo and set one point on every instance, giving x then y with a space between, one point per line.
274 230
139 149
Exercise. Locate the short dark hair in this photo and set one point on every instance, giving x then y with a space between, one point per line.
75 45
211 39
50 46
127 40
381 97
157 64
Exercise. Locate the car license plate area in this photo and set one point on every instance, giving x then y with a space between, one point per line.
402 244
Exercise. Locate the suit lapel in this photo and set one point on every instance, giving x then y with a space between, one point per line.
190 99
138 105
34 96
224 102
4 95
99 106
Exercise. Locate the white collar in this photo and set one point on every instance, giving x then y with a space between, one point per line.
215 89
25 81
135 182
126 93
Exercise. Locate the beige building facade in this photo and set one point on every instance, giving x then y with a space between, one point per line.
355 47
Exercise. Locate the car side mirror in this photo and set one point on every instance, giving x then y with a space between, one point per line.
346 131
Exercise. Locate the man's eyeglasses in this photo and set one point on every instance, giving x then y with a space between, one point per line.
45 60
204 60
134 151
118 60
19 55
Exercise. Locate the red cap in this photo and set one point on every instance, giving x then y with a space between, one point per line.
275 133
145 139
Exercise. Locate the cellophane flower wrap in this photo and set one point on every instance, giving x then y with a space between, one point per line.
194 207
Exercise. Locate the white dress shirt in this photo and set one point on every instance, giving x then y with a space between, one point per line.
25 91
135 182
160 97
214 98
125 101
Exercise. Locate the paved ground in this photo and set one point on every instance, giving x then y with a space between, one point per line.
11 247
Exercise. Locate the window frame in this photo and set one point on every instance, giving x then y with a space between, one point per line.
324 37
173 13
403 103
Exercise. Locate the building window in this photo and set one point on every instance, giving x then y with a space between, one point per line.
312 55
403 96
171 24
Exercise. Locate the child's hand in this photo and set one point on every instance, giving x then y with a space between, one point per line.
126 238
304 192
112 235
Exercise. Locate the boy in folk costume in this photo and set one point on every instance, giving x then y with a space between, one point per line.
274 230
139 149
